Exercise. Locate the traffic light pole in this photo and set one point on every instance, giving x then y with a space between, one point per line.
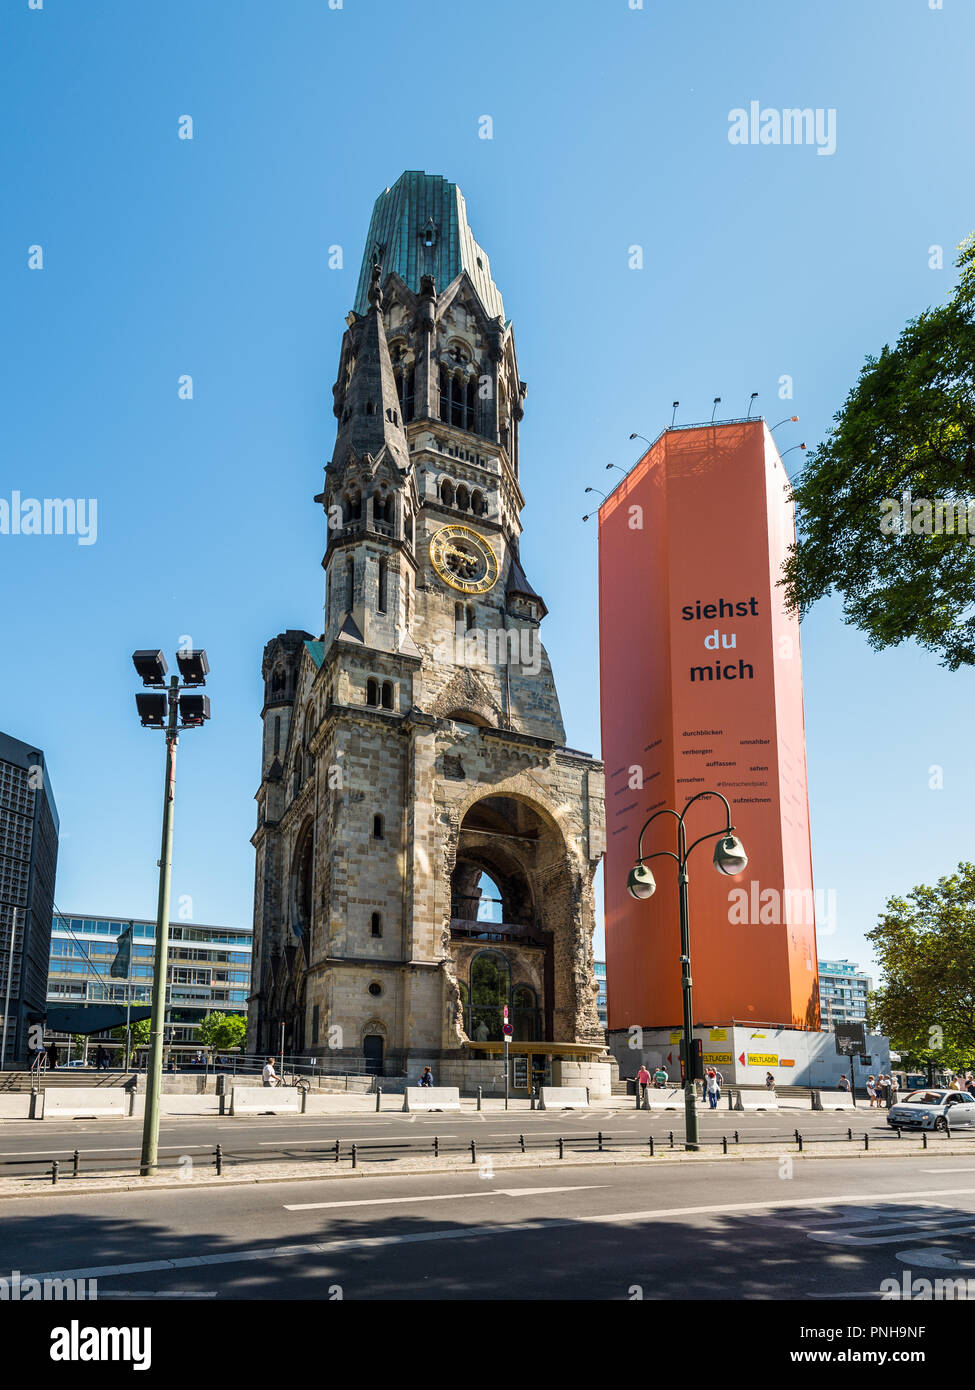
150 1129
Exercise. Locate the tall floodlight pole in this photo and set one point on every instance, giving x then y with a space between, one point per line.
730 859
170 711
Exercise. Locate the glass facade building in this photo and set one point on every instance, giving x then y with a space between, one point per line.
209 969
602 1006
843 990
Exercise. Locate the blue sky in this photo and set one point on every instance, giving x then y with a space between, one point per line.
163 257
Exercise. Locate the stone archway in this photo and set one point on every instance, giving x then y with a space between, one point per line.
546 920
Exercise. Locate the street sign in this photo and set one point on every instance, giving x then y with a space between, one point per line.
849 1038
508 1030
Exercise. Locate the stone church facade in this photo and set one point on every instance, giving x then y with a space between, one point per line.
413 752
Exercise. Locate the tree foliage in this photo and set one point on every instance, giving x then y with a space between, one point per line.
220 1031
139 1032
925 944
908 426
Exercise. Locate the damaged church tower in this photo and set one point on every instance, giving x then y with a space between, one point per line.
426 843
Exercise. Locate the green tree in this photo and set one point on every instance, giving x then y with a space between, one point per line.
925 944
139 1033
908 426
219 1032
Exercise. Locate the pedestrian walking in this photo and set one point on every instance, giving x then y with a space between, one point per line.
269 1076
427 1078
713 1092
720 1080
872 1092
52 1056
101 1058
769 1081
883 1085
643 1081
844 1082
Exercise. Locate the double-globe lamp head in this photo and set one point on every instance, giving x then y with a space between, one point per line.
729 859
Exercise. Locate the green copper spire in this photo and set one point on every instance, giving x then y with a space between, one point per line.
419 227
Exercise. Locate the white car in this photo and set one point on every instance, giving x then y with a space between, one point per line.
932 1108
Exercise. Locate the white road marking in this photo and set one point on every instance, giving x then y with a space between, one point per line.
333 1247
443 1197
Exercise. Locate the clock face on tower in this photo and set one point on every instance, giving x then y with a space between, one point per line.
463 559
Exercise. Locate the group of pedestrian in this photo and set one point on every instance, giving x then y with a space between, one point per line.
711 1088
881 1091
964 1081
644 1081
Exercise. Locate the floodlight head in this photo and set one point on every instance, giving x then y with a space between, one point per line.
152 710
194 710
641 883
150 667
729 856
193 666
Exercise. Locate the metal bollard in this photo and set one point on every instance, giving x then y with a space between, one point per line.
799 1139
436 1146
337 1143
797 1136
521 1140
866 1141
480 1098
898 1130
737 1140
671 1138
355 1155
947 1128
531 1105
599 1141
54 1171
924 1139
637 1096
218 1160
587 1095
561 1148
849 1135
473 1150
651 1146
379 1097
724 1143
77 1163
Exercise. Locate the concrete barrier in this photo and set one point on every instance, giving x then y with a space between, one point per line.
431 1098
16 1106
266 1100
756 1100
563 1098
665 1100
795 1103
75 1102
833 1100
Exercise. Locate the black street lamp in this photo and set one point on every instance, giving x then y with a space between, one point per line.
730 859
171 711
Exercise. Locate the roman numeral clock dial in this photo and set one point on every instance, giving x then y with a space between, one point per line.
463 559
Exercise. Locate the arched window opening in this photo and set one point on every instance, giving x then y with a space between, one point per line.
378 830
381 594
370 407
372 691
457 401
470 405
524 1015
444 395
377 924
404 389
277 734
458 615
447 492
490 990
353 505
471 617
387 694
277 680
478 505
463 498
349 583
